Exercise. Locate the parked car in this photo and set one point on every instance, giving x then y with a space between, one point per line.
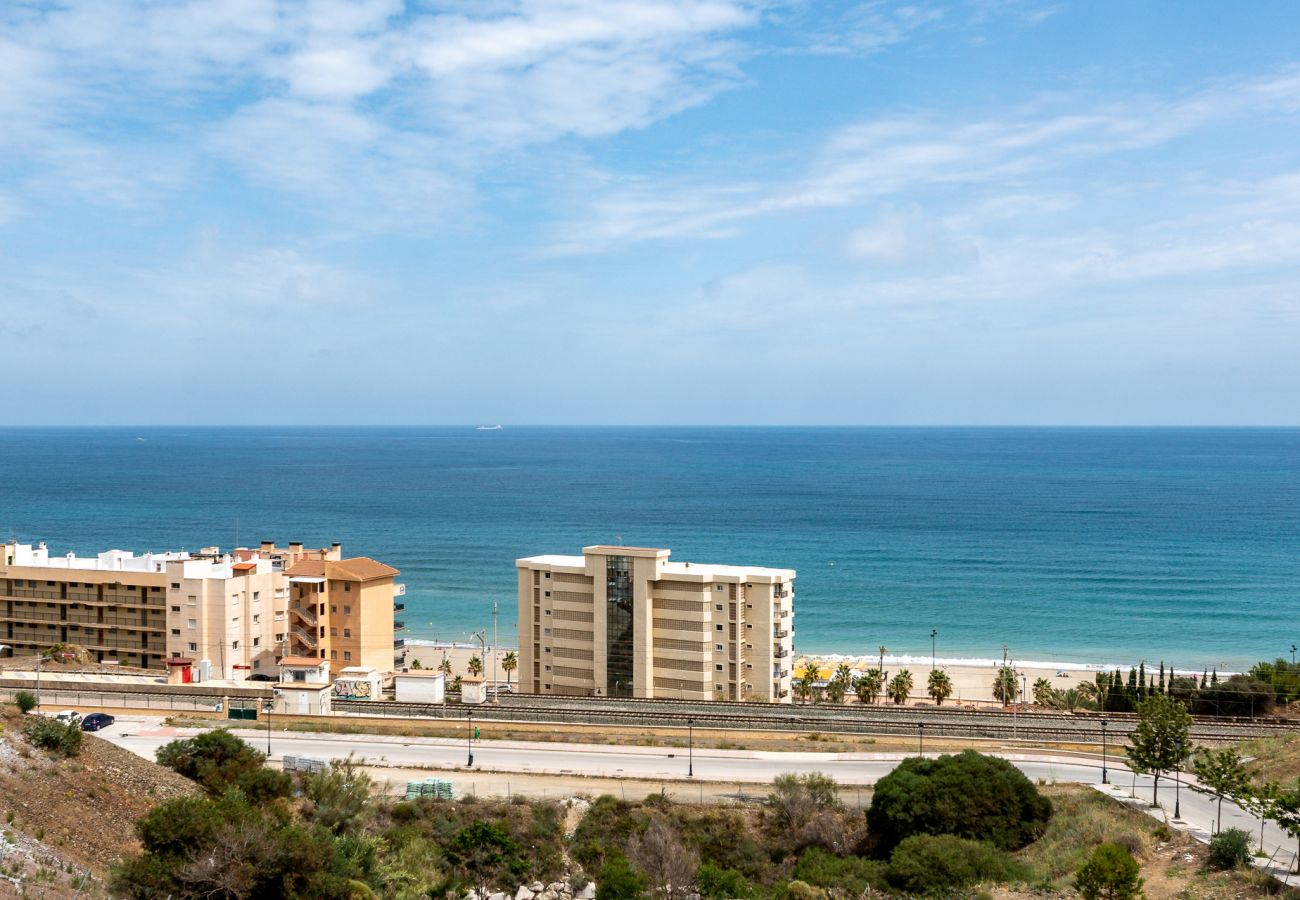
262 677
96 721
67 715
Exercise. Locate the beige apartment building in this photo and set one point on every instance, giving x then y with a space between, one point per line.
627 622
229 609
342 610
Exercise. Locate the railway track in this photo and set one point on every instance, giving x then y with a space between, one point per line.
932 722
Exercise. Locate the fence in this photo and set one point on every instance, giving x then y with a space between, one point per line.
117 700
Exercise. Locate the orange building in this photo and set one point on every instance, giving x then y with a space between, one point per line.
342 610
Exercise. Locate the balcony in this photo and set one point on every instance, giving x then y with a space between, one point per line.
305 613
305 636
778 594
781 614
781 633
399 625
398 643
399 607
780 653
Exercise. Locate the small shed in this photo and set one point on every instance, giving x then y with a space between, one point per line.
358 683
304 669
473 690
420 687
302 698
180 671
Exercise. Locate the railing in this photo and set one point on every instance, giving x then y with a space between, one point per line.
399 607
780 653
33 594
305 614
305 636
398 643
398 624
779 594
781 614
781 633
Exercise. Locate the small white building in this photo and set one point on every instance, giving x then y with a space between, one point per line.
420 687
473 690
358 683
304 670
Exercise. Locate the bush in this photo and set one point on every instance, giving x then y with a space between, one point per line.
796 798
265 785
969 795
1230 849
1111 873
618 880
51 734
26 701
941 863
851 874
715 883
215 759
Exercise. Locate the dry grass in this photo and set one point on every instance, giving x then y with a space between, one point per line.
1274 758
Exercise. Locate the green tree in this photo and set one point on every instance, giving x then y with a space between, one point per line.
1111 873
475 665
841 683
26 701
416 665
618 880
942 864
484 851
868 686
445 667
971 795
1230 849
1005 686
1159 742
1223 772
215 759
1044 693
338 796
939 686
797 798
901 687
1283 806
806 685
64 738
509 663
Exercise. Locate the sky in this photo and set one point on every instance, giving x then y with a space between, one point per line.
332 212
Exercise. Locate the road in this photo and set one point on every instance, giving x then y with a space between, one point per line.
144 735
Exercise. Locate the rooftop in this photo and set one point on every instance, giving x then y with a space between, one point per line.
358 568
297 662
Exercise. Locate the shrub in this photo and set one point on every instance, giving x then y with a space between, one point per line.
26 701
796 798
715 883
1111 873
939 863
618 880
1229 849
63 738
851 874
339 796
264 785
215 759
969 795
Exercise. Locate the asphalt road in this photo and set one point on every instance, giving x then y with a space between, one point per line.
144 736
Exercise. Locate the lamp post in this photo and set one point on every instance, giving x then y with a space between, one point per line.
934 633
690 748
1178 768
1104 777
1293 654
39 659
469 739
920 739
267 707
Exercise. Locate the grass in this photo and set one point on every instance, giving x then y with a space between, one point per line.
1082 819
1273 758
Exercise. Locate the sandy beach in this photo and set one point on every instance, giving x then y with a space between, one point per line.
972 680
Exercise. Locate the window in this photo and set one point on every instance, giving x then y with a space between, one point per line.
717 687
547 649
546 631
333 608
548 612
193 647
279 638
176 631
717 667
718 607
257 594
234 645
257 642
718 588
547 593
191 623
347 588
334 654
347 610
548 574
747 625
718 627
193 599
334 632
257 617
347 655
717 646
176 585
347 632
548 668
175 654
174 608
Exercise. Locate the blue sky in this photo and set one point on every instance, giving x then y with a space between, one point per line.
594 211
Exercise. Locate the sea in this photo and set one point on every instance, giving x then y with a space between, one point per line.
1062 546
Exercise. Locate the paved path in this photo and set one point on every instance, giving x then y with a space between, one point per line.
144 735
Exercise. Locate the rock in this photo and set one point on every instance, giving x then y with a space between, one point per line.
497 896
588 892
548 894
536 887
524 893
472 895
557 886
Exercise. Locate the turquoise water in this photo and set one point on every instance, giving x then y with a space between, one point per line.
1066 545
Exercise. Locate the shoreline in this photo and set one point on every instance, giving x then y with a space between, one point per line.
972 679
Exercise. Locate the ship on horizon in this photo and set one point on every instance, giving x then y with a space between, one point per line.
488 428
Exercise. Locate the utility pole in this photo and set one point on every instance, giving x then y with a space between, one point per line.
496 651
1104 779
934 633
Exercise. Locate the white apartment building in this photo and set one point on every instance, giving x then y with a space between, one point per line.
627 622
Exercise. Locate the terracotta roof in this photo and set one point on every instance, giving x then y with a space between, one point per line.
360 568
307 568
301 661
244 566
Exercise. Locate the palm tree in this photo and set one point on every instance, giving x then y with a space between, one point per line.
806 682
900 687
835 690
883 651
939 687
868 686
445 667
1005 686
509 663
842 682
475 666
455 684
416 665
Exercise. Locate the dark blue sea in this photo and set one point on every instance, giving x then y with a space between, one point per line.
1067 545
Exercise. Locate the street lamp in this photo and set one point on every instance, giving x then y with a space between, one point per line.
469 739
690 748
920 739
267 707
934 633
1104 778
1293 654
1178 768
